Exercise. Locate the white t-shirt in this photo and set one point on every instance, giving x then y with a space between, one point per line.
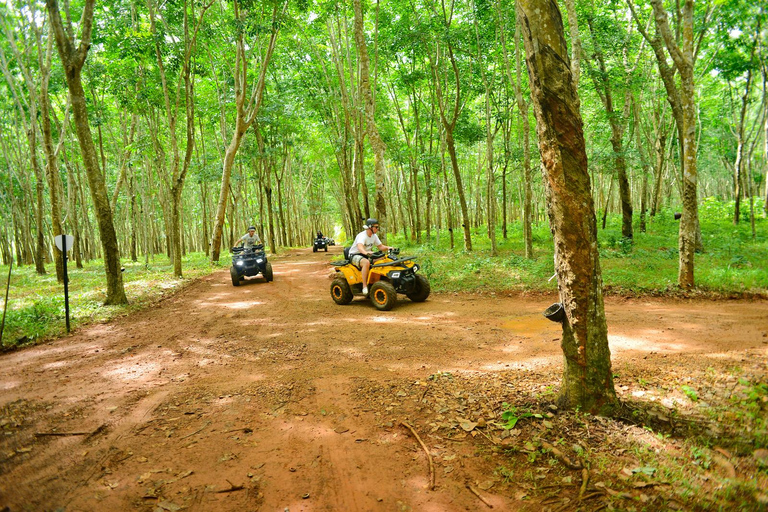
369 242
250 241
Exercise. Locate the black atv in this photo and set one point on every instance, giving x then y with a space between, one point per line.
248 263
320 244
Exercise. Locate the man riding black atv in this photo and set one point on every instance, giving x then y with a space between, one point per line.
247 263
320 243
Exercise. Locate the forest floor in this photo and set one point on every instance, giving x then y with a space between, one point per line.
269 396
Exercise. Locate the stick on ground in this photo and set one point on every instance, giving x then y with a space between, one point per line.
477 493
429 456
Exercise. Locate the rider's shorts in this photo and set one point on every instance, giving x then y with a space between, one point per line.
356 259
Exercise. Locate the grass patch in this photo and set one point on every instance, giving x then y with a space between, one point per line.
732 263
36 303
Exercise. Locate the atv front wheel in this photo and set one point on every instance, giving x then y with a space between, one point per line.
383 295
314 248
235 277
326 248
268 272
340 291
420 290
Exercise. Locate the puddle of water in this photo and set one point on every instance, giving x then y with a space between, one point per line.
531 325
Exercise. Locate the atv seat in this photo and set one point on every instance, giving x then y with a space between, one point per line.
346 252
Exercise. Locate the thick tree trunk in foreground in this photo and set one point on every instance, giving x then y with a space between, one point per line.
587 378
73 58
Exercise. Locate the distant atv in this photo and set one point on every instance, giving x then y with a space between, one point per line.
389 275
248 263
320 244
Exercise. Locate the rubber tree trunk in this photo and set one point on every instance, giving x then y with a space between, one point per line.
690 234
587 377
72 59
379 148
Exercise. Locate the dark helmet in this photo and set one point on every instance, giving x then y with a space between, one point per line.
252 228
370 223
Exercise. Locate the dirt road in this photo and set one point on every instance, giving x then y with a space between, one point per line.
271 397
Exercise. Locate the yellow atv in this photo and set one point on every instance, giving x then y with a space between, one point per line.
388 276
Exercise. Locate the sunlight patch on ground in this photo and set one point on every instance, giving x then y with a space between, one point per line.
55 364
383 319
310 263
233 305
620 343
351 352
735 356
129 372
9 384
517 362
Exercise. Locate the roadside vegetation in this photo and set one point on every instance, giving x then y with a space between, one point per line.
36 303
733 264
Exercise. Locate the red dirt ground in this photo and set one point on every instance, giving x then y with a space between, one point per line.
271 397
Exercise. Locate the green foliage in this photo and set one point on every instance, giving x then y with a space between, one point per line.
511 415
36 303
732 261
690 393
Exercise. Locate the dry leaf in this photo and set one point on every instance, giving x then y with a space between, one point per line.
486 485
724 464
761 456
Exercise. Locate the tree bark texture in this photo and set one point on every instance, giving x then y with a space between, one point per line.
379 148
587 377
684 61
72 59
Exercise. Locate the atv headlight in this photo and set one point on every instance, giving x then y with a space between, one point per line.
239 263
416 268
259 260
395 275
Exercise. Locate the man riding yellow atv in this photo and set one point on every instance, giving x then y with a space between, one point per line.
388 275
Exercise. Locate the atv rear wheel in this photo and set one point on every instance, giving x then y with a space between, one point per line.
383 295
340 291
235 277
268 272
420 290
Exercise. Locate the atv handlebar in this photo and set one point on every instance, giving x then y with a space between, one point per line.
259 247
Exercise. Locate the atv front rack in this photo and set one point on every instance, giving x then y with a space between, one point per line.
393 263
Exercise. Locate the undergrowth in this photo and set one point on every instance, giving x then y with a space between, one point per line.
733 263
36 302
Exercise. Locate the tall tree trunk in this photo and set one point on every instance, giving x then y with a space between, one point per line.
740 143
244 118
522 105
490 134
73 58
449 125
684 62
51 164
618 122
573 28
30 126
587 377
377 143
